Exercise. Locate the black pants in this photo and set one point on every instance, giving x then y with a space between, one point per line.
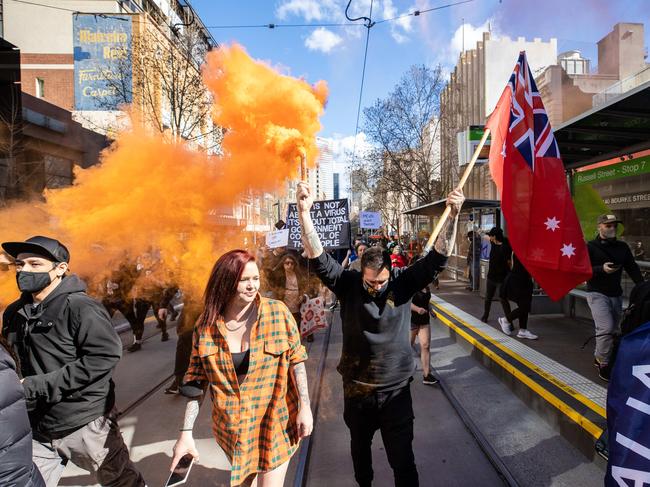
490 290
391 413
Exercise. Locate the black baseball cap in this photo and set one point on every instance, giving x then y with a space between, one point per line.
47 247
608 219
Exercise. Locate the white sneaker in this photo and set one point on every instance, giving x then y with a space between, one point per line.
526 334
506 327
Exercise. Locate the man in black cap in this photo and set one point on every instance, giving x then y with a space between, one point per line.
67 349
609 257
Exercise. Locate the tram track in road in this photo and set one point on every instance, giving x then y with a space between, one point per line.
490 453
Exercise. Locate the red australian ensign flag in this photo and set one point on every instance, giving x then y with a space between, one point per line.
543 226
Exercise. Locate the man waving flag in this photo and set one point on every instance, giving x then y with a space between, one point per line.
525 163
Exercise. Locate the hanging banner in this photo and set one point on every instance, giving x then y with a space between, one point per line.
102 61
370 219
331 221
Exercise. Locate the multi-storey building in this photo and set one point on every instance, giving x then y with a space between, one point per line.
472 93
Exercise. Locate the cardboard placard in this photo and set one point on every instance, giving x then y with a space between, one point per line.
370 219
331 220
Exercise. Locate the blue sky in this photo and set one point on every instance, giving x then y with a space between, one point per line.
335 54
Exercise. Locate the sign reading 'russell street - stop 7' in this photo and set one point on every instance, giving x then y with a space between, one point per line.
331 221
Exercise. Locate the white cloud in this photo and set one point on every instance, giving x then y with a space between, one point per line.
343 147
467 36
333 11
323 40
400 27
308 10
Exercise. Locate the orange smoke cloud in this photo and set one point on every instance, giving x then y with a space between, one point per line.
149 193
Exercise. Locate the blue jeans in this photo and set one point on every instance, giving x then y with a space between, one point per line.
606 311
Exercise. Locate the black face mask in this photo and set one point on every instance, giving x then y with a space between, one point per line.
374 292
32 282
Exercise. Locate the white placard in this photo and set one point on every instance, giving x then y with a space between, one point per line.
277 238
370 219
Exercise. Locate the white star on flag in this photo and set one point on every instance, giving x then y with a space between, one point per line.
568 250
552 224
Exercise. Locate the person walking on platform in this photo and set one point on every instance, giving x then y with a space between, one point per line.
246 350
473 260
376 362
184 332
16 464
517 287
498 268
68 350
360 248
608 257
421 329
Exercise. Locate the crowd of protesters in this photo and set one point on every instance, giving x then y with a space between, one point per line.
59 348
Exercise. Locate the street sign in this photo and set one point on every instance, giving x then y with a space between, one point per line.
331 220
468 140
277 238
370 219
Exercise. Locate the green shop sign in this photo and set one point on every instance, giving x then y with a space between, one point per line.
635 167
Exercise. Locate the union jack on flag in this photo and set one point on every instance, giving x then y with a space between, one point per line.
543 227
531 131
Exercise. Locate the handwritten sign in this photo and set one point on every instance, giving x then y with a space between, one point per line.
370 219
277 238
331 220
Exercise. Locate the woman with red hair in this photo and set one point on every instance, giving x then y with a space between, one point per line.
247 353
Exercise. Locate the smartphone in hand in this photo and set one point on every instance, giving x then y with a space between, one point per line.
181 471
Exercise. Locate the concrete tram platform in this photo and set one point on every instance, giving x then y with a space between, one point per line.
552 374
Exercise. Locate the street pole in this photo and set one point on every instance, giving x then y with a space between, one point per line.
461 183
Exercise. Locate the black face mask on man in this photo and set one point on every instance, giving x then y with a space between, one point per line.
33 282
375 293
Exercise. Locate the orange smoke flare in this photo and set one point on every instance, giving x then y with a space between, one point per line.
149 193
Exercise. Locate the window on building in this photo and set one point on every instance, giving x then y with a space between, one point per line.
40 87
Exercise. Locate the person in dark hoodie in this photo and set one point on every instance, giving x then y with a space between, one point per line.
67 349
376 361
16 466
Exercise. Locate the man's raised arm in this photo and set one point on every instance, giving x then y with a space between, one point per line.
310 240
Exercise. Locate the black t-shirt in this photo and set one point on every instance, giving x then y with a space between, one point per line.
499 257
421 299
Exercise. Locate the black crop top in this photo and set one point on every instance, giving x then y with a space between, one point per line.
241 360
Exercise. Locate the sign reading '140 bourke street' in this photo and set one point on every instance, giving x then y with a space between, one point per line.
331 221
102 61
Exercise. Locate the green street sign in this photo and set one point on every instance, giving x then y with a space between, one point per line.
635 167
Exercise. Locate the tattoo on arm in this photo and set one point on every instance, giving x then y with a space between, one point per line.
310 239
445 242
300 378
191 413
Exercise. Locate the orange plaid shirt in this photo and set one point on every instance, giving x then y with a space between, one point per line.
254 422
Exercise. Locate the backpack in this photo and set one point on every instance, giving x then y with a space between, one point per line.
638 311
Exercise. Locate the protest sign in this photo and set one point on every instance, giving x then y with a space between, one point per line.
277 238
370 219
331 220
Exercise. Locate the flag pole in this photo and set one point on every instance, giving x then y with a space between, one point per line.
461 183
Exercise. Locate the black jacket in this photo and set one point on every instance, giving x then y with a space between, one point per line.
68 350
617 252
16 466
376 330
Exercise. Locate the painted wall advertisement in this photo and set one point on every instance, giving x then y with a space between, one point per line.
102 61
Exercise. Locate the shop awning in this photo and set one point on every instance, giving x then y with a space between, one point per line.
437 207
615 129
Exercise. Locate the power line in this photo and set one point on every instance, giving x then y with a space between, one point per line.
369 23
415 13
45 5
